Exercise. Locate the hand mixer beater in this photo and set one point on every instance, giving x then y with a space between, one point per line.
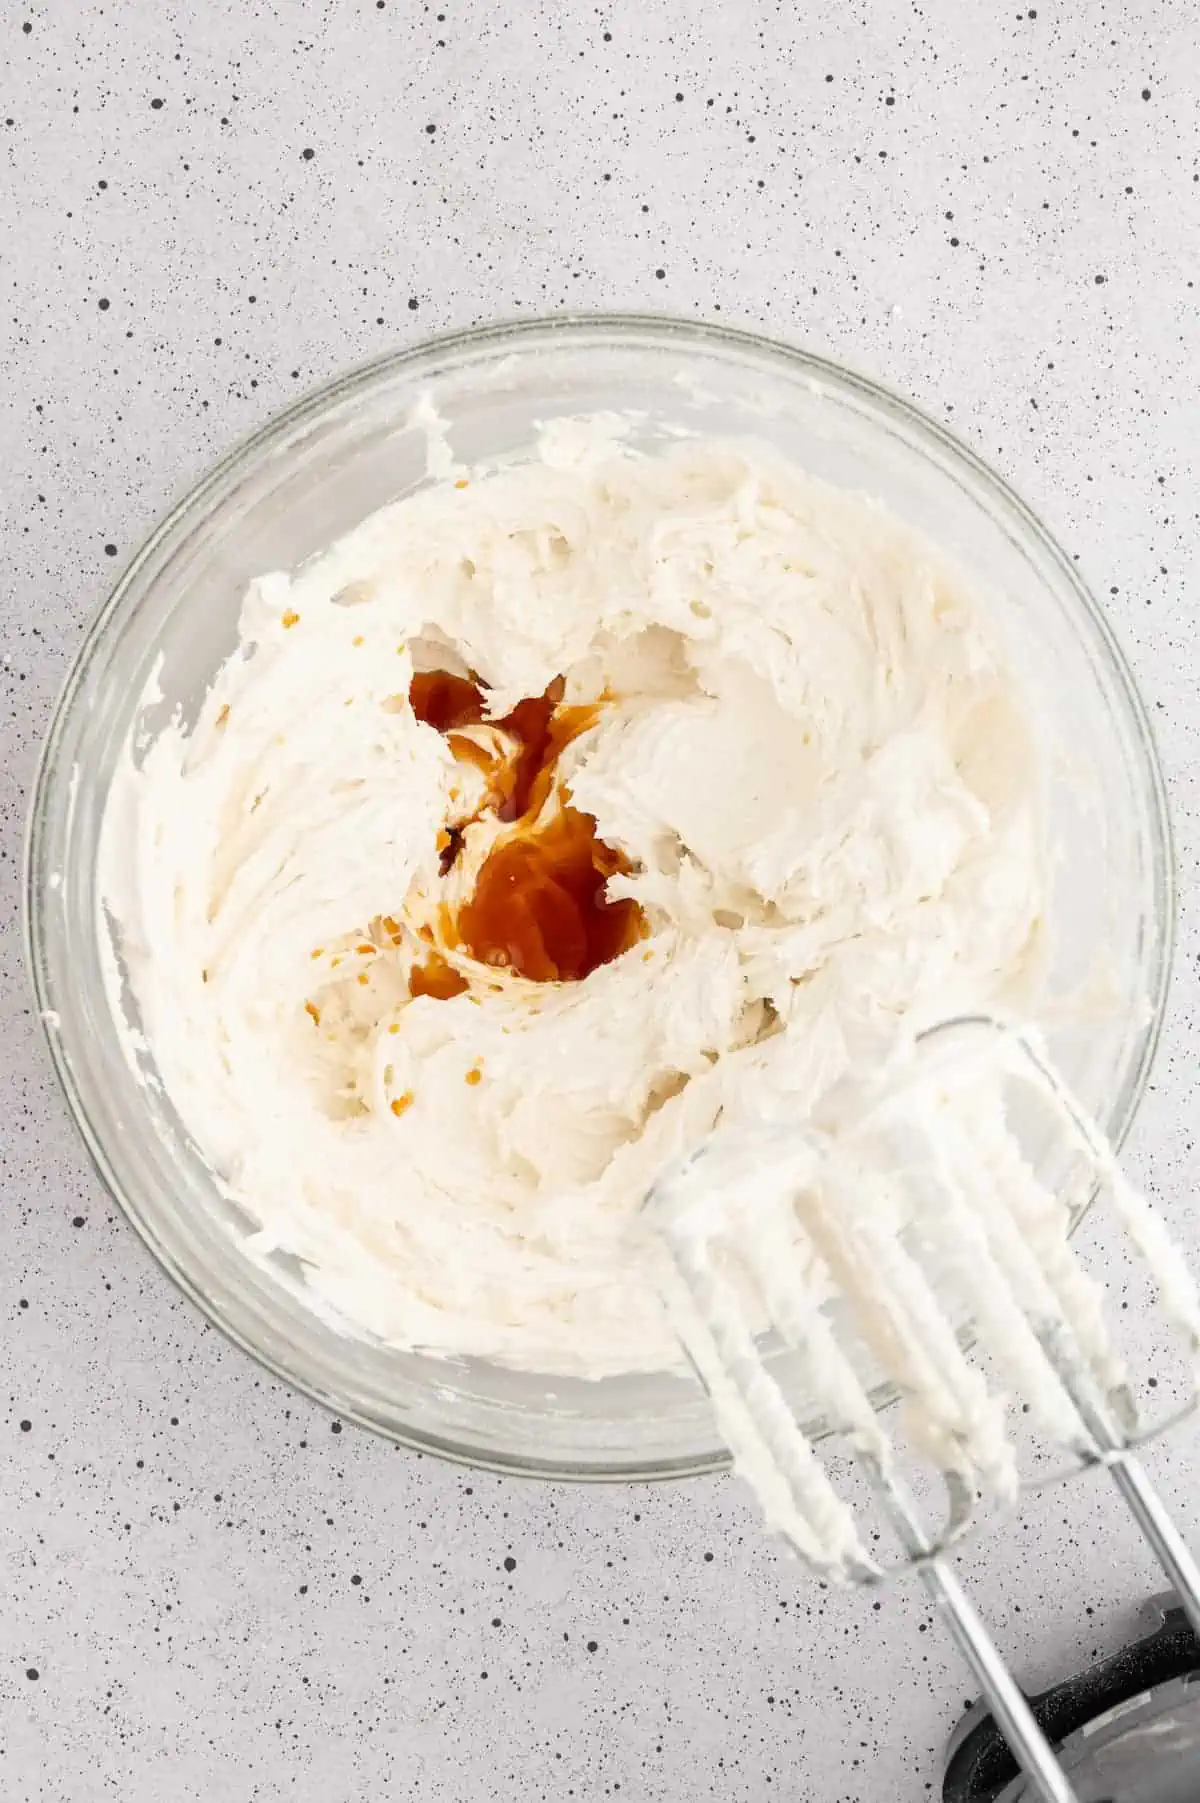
912 1188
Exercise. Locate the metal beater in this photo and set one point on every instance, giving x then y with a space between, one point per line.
967 1211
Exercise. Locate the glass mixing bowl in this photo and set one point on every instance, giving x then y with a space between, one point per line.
316 471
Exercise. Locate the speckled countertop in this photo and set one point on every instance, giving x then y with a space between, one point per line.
209 1589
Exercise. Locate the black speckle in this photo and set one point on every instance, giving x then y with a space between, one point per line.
77 1220
335 1427
1145 91
708 1558
103 305
413 303
592 1645
954 243
356 1578
679 96
308 153
510 1563
661 274
25 1426
157 105
31 1671
1100 280
27 28
431 129
110 550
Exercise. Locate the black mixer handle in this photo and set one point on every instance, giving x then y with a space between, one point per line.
979 1764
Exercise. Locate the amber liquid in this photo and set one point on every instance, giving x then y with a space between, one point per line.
539 907
436 978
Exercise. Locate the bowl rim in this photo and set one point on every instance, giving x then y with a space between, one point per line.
674 332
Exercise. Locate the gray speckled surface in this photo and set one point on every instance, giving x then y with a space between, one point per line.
209 1591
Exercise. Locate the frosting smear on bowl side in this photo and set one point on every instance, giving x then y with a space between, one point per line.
548 820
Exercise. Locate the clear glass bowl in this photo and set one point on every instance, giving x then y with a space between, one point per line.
316 471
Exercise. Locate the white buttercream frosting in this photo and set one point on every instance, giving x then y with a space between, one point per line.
806 749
